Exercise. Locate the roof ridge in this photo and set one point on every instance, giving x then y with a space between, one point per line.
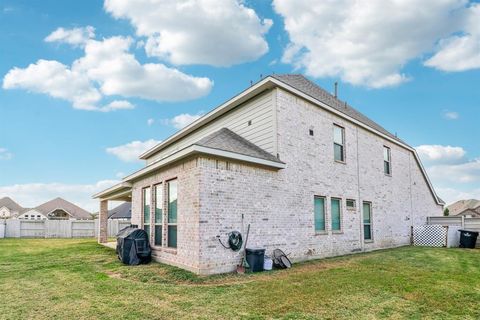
331 100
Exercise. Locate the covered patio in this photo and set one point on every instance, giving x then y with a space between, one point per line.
118 192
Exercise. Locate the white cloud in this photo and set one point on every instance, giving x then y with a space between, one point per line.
34 194
451 195
5 154
109 63
440 154
365 42
460 173
213 32
131 151
75 37
117 105
451 115
452 174
150 121
57 80
460 52
183 120
107 69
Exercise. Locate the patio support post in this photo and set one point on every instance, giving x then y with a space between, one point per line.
103 222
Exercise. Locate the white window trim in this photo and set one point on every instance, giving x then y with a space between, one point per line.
389 161
341 215
354 204
344 152
371 223
324 231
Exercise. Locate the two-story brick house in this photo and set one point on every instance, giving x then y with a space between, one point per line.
309 173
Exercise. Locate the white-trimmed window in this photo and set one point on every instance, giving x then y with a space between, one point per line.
367 221
172 186
387 161
338 143
351 204
336 213
319 213
158 219
146 200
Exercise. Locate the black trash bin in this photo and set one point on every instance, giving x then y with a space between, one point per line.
255 259
468 239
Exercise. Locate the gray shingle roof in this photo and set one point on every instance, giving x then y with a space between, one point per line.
226 140
10 204
59 203
308 87
123 211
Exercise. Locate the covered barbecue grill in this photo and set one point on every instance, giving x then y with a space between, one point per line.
133 247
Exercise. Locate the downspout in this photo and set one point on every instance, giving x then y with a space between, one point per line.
411 191
360 206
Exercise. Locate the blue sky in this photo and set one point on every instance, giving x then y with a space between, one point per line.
427 90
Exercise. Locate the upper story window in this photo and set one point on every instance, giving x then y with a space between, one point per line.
339 143
387 161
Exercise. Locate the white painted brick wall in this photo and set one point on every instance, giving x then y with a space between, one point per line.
214 195
187 253
279 205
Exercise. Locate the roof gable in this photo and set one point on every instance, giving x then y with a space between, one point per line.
59 203
227 140
8 203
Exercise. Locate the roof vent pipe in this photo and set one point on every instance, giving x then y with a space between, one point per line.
336 90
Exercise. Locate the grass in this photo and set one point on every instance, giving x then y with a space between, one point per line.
78 279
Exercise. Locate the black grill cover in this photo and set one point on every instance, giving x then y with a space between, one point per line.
133 247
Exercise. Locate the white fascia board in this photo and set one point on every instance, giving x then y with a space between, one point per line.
160 163
195 149
425 175
220 110
113 189
121 196
240 157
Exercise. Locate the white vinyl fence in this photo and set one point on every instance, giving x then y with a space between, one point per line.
17 228
455 223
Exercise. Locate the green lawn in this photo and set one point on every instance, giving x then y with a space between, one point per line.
78 279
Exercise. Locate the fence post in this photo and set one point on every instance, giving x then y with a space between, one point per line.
446 237
463 222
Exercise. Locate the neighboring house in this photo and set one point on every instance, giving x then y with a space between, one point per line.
32 214
121 212
9 208
56 209
310 174
466 208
